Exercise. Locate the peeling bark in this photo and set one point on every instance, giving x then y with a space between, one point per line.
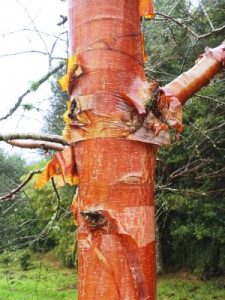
116 176
121 218
115 121
207 66
115 133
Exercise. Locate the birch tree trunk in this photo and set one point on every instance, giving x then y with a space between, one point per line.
116 233
115 122
116 176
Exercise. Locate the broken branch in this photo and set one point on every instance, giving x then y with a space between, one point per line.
187 84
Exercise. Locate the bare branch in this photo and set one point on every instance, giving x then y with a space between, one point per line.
185 57
178 23
206 15
215 174
174 6
215 31
58 198
55 189
24 52
20 186
209 98
32 89
34 25
36 145
182 191
53 47
30 136
32 30
185 27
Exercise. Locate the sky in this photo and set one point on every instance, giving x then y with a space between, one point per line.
28 25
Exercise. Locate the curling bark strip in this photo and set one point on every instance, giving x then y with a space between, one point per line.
115 121
176 93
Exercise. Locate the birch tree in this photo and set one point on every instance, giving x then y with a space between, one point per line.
115 122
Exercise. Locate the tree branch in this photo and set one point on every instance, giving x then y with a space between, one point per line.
36 145
20 186
187 84
178 23
196 36
57 196
206 15
36 137
215 31
209 98
33 88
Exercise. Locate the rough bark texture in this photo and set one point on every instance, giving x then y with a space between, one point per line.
207 66
116 220
115 208
114 135
116 177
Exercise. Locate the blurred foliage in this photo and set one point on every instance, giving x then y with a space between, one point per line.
25 260
58 103
39 220
55 228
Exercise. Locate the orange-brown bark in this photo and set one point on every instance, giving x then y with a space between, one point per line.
115 137
174 95
116 219
190 82
115 200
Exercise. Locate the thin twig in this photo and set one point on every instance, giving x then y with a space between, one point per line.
34 25
32 89
185 58
196 36
57 196
55 189
206 15
24 52
20 186
31 30
174 6
178 23
215 31
209 98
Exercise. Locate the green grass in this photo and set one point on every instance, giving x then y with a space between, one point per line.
177 287
46 279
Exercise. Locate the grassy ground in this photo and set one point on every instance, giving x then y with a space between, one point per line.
46 279
184 287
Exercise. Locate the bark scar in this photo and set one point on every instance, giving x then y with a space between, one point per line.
101 221
94 219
